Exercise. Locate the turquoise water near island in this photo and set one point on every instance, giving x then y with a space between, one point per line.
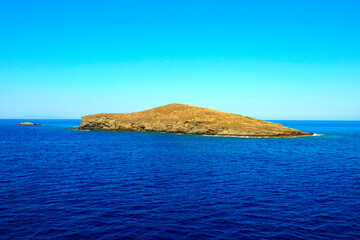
59 183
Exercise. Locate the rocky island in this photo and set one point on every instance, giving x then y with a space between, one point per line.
187 119
28 124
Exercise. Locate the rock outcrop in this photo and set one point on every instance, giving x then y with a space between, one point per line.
28 124
187 119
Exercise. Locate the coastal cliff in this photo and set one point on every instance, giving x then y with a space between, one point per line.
187 119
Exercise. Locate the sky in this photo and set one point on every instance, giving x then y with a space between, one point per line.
273 60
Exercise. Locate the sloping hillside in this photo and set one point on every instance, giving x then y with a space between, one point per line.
187 119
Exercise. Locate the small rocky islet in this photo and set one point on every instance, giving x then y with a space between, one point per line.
29 124
187 119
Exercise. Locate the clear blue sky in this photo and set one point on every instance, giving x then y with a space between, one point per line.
265 59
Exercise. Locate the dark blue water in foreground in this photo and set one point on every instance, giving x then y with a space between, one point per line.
57 183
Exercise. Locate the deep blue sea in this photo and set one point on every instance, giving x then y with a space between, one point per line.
58 183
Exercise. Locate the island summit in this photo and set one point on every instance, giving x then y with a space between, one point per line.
187 119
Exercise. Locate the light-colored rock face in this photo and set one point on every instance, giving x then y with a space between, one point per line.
26 124
181 118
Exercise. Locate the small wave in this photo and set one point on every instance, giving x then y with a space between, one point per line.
318 134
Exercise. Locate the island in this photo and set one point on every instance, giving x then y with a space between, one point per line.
187 119
28 124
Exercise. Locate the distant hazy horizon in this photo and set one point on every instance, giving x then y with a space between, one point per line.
272 60
42 117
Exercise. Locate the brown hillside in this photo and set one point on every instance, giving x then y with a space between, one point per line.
188 119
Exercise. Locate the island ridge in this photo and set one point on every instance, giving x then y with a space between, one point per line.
187 119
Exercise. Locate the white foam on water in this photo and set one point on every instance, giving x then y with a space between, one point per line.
318 134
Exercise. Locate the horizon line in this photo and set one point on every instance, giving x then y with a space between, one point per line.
257 118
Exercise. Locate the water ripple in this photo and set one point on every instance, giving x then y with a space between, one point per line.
61 184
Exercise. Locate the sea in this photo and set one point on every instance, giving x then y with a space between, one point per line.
60 183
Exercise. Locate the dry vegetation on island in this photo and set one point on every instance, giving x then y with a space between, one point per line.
187 119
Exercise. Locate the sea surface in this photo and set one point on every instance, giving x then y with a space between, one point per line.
59 183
